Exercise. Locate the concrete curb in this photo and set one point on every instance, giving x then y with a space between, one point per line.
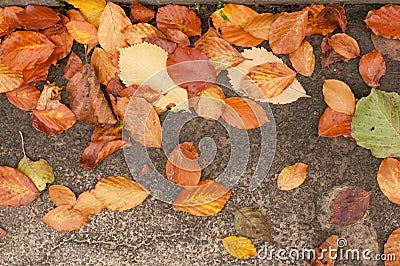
191 2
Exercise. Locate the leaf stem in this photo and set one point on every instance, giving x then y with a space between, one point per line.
22 142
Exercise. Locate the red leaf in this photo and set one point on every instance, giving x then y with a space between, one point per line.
333 124
190 69
372 67
163 43
25 97
140 13
178 37
16 189
385 22
73 66
37 17
36 74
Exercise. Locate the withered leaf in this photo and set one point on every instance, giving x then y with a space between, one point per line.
87 99
385 21
252 223
259 26
136 33
319 24
25 97
87 204
339 96
389 179
65 219
328 55
178 37
240 247
333 124
61 195
303 59
335 11
391 248
324 258
9 79
83 32
103 65
292 176
140 13
211 103
73 66
372 67
37 17
344 45
389 47
91 10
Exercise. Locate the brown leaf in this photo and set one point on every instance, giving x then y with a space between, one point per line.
65 219
267 80
303 59
7 19
244 113
112 21
9 79
25 97
335 11
140 13
25 49
292 176
288 31
61 195
73 66
180 18
326 258
105 141
3 233
163 43
119 193
182 167
259 26
141 121
319 24
372 67
333 124
83 32
193 76
37 17
231 26
388 47
103 65
211 103
87 99
36 74
16 189
344 45
385 21
75 15
178 37
189 196
136 33
392 249
389 179
87 204
339 96
328 55
349 206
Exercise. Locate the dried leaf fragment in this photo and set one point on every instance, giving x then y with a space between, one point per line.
324 258
391 248
292 176
3 233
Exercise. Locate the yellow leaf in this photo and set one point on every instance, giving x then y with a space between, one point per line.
65 219
240 247
103 65
91 10
9 79
112 22
83 32
61 195
389 179
292 176
119 193
339 96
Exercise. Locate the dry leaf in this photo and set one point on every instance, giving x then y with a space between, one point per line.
206 209
178 37
344 45
211 103
391 248
140 13
349 206
259 26
303 59
319 24
267 80
119 193
136 33
252 223
87 204
232 26
75 15
385 21
3 233
389 179
292 176
37 17
328 55
326 258
162 43
180 18
61 195
9 79
90 9
25 97
335 11
83 32
87 99
287 32
102 64
388 47
112 21
65 219
16 189
372 67
73 66
339 96
333 124
182 167
244 113
240 247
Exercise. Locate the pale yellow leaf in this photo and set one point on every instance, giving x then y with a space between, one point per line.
211 103
292 176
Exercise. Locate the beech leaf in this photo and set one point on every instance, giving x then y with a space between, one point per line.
303 59
391 248
37 17
61 195
389 47
25 97
385 21
332 124
339 96
372 67
83 32
103 65
140 13
9 79
344 45
240 247
292 176
91 9
211 103
252 223
87 204
65 219
389 179
73 66
40 172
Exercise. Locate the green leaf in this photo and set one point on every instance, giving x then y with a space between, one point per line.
40 172
252 223
376 123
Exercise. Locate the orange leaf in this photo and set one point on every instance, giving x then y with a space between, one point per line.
240 247
3 233
162 43
259 26
288 31
112 21
244 113
9 79
339 96
25 97
180 18
65 219
344 45
140 13
328 55
25 49
292 176
324 258
333 124
136 33
182 166
178 37
61 195
318 24
211 103
372 67
16 189
103 65
303 59
87 204
119 193
385 22
232 26
91 10
267 80
206 209
392 249
7 22
53 121
75 15
73 66
141 121
389 179
83 32
37 17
